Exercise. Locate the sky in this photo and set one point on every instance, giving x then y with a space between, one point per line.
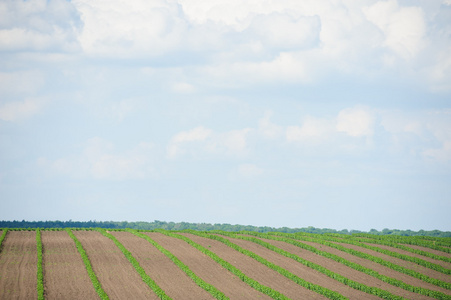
332 113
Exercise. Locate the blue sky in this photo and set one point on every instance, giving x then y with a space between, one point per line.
277 113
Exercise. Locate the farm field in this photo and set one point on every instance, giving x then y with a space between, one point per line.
98 263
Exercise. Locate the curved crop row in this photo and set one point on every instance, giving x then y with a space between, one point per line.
92 275
40 272
372 258
310 286
251 282
199 281
435 244
2 237
146 278
394 244
355 266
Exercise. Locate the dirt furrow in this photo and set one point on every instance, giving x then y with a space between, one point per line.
116 274
349 272
161 269
18 266
65 275
256 270
207 269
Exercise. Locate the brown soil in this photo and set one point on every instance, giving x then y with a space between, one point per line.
256 270
65 275
302 271
410 265
351 273
116 274
160 268
207 269
18 266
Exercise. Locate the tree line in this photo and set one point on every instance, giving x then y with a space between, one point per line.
206 227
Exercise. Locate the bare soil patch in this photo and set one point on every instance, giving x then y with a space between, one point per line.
349 272
65 275
160 268
116 274
18 266
207 269
302 271
256 270
398 261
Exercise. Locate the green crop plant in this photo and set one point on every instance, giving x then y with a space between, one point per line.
92 275
2 237
249 281
199 281
146 278
40 272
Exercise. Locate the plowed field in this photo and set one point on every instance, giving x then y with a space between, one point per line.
128 264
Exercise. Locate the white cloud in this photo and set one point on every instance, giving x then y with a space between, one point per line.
403 27
38 26
249 171
176 146
312 129
19 110
267 128
99 161
355 122
127 29
200 141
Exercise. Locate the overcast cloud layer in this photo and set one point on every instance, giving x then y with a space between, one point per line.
265 112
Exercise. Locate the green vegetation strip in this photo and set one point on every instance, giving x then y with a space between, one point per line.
146 278
92 275
308 285
398 268
201 283
251 282
416 260
391 243
2 237
40 274
355 266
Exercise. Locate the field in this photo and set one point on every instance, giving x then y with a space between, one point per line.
160 264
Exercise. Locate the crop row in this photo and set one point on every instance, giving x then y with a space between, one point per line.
201 283
40 273
390 280
146 278
95 281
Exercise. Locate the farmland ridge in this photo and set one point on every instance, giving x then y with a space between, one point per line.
96 263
